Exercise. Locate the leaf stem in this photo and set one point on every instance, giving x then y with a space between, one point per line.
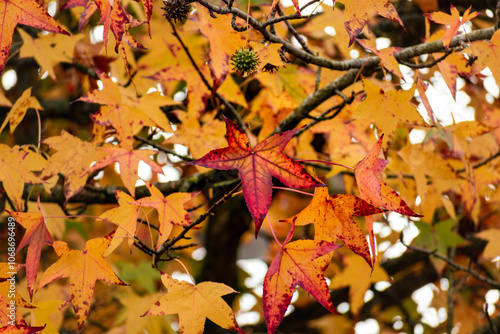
272 231
294 190
185 269
325 162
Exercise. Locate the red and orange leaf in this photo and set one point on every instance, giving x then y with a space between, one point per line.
376 192
357 13
84 268
15 171
372 189
73 158
453 22
170 210
35 237
19 109
113 16
129 160
27 12
195 304
294 266
257 166
332 218
125 216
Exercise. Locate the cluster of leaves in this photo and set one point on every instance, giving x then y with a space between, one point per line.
331 102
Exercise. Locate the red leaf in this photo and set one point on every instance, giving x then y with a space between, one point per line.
293 266
35 237
257 166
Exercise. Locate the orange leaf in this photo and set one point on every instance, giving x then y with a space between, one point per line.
19 109
387 109
357 13
35 237
73 158
26 12
122 110
453 22
386 55
15 171
84 268
332 218
195 304
257 166
491 54
21 329
7 313
359 279
223 43
129 160
125 216
293 266
170 210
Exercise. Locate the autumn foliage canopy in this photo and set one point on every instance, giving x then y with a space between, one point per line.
213 166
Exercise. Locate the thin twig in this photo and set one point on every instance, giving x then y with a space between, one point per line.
428 65
452 263
494 156
167 245
294 32
163 149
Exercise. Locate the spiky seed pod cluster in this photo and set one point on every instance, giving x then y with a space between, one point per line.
245 61
176 9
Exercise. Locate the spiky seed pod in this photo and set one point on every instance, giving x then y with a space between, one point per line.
245 60
176 9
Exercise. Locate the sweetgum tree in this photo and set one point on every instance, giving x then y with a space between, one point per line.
221 166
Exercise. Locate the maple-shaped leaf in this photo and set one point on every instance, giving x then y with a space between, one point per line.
372 189
35 237
223 43
195 304
27 12
122 110
129 161
16 170
452 22
125 216
388 109
376 192
19 109
170 210
73 158
48 50
257 165
332 218
294 266
357 13
7 269
84 268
